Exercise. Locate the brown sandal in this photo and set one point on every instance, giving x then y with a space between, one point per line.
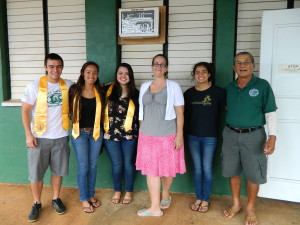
127 199
231 212
250 219
115 200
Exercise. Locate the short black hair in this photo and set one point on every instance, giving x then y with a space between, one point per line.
53 56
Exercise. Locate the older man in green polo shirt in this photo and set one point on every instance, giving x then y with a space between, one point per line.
250 105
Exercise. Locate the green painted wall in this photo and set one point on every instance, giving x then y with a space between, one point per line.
102 47
12 153
4 63
224 51
101 35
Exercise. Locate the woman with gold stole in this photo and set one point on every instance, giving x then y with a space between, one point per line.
85 98
121 130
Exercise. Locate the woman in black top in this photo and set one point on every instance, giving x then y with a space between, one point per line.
202 106
121 130
85 100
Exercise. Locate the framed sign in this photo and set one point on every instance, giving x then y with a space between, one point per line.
130 40
139 22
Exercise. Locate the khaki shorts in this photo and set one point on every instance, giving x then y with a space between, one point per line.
244 152
53 152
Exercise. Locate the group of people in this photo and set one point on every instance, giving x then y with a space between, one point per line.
145 130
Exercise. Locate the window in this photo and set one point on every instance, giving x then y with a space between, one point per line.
67 38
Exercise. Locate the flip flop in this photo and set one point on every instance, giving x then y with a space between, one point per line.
195 207
143 213
166 204
95 204
206 207
231 212
87 209
250 219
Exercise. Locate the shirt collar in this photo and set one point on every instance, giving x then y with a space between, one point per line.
251 82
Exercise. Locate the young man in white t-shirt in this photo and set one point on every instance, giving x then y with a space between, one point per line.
49 147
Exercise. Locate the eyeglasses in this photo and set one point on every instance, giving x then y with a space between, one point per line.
160 65
246 63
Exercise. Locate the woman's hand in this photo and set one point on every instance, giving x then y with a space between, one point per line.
178 142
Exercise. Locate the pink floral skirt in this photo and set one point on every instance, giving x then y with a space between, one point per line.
156 156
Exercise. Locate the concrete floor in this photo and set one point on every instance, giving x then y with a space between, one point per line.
16 202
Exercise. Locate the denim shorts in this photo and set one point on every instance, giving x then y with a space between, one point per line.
53 152
244 152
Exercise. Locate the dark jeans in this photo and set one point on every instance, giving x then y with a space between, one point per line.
122 155
202 151
87 152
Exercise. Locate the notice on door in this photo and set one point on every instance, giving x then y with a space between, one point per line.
289 68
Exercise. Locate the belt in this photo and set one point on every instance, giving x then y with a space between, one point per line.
87 129
243 130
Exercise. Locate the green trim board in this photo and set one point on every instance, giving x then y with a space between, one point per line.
101 36
224 39
223 52
225 25
4 55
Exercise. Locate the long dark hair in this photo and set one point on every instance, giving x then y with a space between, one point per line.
75 90
117 89
210 70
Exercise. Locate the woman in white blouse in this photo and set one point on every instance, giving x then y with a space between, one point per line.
160 153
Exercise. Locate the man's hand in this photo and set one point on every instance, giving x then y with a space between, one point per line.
31 141
269 146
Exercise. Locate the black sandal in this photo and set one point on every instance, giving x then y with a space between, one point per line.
88 209
94 204
205 207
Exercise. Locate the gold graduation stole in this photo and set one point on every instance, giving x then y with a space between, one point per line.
129 115
42 106
96 130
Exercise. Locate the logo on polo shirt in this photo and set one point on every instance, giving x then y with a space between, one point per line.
253 92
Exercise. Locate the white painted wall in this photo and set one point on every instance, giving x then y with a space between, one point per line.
249 25
26 39
26 43
67 34
190 40
140 56
190 37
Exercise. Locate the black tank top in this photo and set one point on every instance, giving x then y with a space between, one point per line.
87 113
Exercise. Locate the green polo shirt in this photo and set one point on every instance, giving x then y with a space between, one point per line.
247 106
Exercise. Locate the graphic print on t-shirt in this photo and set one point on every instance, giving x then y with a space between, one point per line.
54 98
205 102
